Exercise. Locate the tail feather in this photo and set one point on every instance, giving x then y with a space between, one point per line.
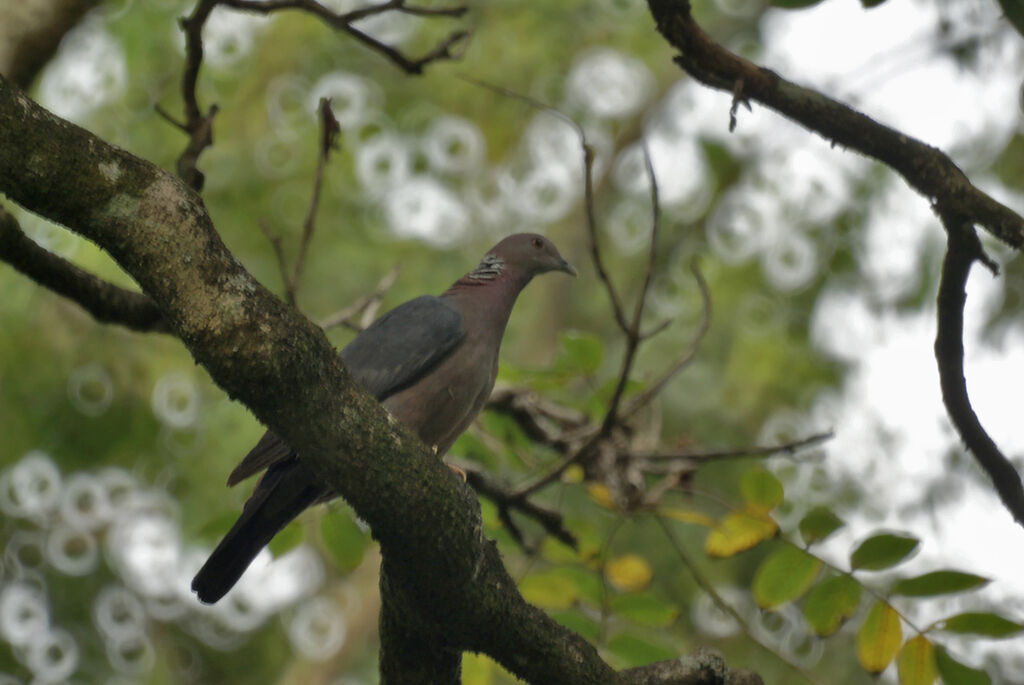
285 490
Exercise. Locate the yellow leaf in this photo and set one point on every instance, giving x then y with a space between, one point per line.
628 572
600 493
878 638
739 531
573 474
698 518
916 663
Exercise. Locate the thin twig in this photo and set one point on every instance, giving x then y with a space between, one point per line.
344 22
329 130
550 520
348 316
651 391
735 453
282 266
632 332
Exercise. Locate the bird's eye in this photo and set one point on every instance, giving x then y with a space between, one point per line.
538 243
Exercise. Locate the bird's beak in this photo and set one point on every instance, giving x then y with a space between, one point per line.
567 268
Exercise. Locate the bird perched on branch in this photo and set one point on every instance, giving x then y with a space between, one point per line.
431 362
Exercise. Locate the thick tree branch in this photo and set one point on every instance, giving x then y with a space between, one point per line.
443 578
928 170
962 250
105 301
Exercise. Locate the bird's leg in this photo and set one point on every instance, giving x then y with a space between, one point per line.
459 472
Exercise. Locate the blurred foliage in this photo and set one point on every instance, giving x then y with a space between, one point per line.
123 443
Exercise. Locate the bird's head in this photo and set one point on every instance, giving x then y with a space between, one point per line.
529 254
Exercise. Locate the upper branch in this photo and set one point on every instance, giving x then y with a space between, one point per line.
927 169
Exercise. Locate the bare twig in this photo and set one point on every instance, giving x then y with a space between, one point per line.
356 314
740 452
551 521
963 248
329 130
282 265
199 126
446 49
652 390
632 332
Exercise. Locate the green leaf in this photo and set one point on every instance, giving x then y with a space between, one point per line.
643 609
818 524
632 650
761 490
916 662
784 576
345 542
549 590
944 582
882 551
287 538
878 638
739 531
982 623
831 602
955 673
868 4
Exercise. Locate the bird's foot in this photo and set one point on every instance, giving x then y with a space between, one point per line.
459 472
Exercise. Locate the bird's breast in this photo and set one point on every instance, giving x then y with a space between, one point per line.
442 404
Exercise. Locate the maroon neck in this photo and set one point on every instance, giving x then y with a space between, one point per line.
489 300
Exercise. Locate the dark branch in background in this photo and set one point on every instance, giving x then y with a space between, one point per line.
329 131
963 248
446 49
632 331
106 302
928 170
363 311
199 126
507 502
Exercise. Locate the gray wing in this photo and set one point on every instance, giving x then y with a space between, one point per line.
403 345
392 353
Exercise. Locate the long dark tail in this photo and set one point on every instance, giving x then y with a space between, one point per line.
282 493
